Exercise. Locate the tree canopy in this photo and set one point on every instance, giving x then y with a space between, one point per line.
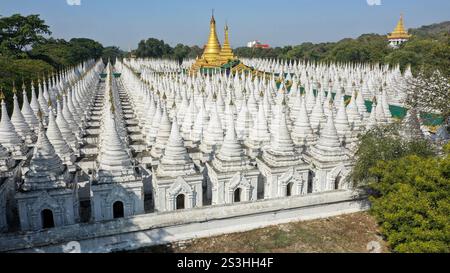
18 32
409 189
412 202
383 143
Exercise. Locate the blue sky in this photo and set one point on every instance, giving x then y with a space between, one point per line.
277 22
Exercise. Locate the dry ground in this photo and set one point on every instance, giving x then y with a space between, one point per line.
357 232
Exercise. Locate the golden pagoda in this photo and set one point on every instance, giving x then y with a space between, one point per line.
212 48
399 35
226 54
214 56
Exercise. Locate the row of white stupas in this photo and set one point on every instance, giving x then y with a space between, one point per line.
171 141
364 77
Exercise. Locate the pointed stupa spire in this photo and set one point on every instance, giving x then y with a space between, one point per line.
20 125
302 133
27 111
201 122
114 162
175 160
243 122
281 150
226 53
213 137
281 142
162 136
328 147
317 117
65 129
55 137
46 168
212 47
153 130
9 138
259 134
34 101
399 31
189 119
231 156
341 123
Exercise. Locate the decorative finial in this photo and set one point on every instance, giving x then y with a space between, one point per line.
14 90
2 96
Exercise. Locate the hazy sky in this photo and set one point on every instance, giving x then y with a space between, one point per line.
277 22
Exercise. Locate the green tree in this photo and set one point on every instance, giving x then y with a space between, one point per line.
383 143
111 53
18 32
195 51
56 52
180 52
153 48
18 70
83 49
61 53
412 203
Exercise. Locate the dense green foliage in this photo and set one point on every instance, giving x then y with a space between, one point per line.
409 187
154 48
111 53
383 143
60 53
412 202
18 32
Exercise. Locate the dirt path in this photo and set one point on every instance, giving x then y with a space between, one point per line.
357 232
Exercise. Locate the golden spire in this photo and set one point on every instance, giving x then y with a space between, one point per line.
212 48
399 31
226 54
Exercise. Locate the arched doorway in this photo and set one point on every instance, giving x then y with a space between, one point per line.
337 182
289 189
310 182
237 195
118 210
47 219
180 201
261 187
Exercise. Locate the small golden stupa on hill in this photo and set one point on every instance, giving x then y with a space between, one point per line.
214 55
399 35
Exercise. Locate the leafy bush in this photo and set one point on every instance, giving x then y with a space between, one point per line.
412 203
383 143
